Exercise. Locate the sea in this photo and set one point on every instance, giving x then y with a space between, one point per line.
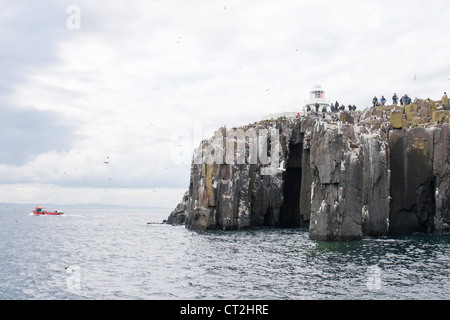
95 253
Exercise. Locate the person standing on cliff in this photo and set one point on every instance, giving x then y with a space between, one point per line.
383 100
375 101
317 107
406 100
445 98
395 99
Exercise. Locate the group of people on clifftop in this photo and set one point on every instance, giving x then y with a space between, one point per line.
405 100
333 107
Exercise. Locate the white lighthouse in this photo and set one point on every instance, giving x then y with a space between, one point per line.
317 96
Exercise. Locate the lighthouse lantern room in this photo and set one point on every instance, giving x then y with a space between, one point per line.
317 96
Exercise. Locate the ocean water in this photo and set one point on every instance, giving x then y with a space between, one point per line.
126 254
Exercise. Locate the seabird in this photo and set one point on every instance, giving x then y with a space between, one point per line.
70 268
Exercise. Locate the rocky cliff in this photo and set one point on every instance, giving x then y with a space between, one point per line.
343 175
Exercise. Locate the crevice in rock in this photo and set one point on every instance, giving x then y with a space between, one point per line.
290 211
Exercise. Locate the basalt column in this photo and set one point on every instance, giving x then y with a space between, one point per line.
412 183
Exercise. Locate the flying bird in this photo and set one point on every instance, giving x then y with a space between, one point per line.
69 268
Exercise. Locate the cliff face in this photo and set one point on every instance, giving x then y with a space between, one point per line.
343 175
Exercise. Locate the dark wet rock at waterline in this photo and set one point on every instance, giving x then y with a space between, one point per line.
343 175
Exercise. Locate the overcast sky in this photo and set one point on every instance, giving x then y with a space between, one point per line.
104 101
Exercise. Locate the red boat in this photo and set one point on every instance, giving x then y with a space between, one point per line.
41 211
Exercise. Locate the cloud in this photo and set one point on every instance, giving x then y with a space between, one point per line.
28 34
28 133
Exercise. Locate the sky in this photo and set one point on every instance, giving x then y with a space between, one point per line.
104 101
